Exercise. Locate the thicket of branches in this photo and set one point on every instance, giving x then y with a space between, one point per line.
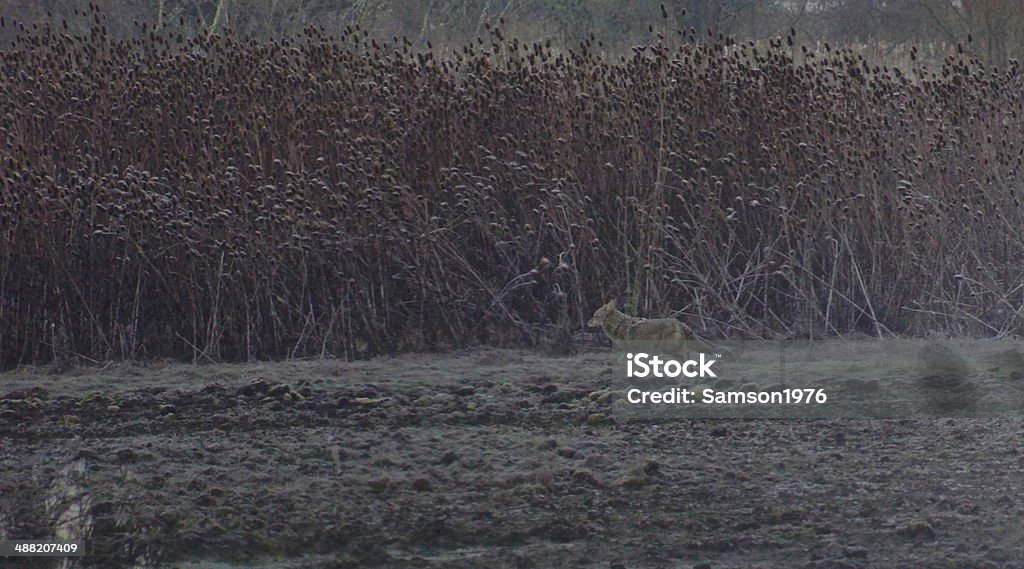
219 198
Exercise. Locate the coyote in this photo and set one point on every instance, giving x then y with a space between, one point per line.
665 335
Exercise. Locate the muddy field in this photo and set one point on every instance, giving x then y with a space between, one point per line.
488 458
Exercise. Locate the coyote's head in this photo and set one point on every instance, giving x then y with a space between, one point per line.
602 313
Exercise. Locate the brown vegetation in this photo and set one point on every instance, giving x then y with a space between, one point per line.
219 198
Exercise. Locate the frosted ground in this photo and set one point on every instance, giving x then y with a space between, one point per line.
491 458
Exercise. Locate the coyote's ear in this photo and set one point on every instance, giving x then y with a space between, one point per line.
612 304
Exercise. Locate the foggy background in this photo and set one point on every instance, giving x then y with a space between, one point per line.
880 27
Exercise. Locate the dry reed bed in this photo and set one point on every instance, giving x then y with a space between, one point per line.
220 198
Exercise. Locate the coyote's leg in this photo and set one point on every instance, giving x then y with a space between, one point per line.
676 346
